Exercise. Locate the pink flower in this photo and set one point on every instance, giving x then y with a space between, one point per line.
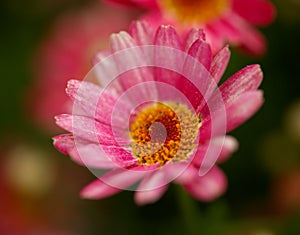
222 20
160 117
67 52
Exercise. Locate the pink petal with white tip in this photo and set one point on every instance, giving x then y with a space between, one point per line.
92 101
141 33
131 64
166 36
219 63
83 152
202 52
100 56
195 69
94 131
247 79
192 36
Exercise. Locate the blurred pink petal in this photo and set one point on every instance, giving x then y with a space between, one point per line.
204 188
67 52
258 12
145 196
122 179
223 20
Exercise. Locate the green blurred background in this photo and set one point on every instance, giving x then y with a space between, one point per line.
39 189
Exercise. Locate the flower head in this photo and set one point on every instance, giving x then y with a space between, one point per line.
223 20
157 116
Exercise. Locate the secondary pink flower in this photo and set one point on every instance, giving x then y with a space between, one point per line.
67 52
153 124
223 20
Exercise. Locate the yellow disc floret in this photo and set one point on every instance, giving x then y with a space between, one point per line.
194 11
164 132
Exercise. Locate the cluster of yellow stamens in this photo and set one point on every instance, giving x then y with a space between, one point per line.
164 132
194 11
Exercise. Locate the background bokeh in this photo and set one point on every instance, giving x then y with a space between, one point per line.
39 187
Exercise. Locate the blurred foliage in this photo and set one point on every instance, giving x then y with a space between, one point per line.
246 208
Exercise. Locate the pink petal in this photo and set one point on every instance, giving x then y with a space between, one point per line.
247 37
120 156
195 69
83 152
87 94
149 197
167 56
151 188
207 187
253 42
151 4
258 12
229 146
132 65
104 141
111 183
219 63
100 56
142 33
154 185
225 28
92 101
154 180
92 130
242 108
167 36
247 79
202 52
237 111
214 38
120 41
64 143
174 170
192 36
98 190
226 146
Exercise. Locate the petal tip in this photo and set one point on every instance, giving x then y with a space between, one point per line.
63 143
72 85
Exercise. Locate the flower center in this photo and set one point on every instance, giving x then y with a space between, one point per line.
194 11
164 132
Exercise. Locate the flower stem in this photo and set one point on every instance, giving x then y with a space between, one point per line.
189 210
